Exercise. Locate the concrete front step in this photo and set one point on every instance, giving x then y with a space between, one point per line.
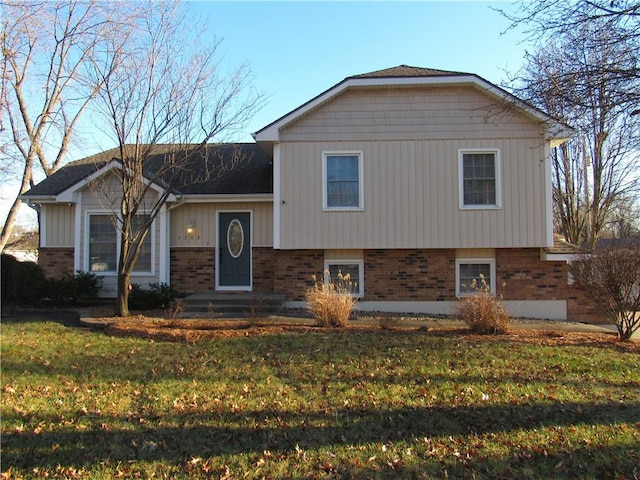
231 304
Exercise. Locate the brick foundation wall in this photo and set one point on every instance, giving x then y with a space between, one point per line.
55 262
193 269
264 260
285 272
424 275
292 271
522 275
390 275
581 308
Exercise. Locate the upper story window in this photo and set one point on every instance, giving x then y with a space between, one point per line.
104 243
342 181
479 178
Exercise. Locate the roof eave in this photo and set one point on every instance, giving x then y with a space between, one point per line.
37 199
225 197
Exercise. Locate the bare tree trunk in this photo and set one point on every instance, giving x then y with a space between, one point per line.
122 300
7 228
163 105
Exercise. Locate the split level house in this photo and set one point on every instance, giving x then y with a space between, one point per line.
414 181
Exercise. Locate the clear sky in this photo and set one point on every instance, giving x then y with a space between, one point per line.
298 49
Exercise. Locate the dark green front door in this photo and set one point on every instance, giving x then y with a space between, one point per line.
234 251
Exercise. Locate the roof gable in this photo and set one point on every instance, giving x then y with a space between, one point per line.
404 75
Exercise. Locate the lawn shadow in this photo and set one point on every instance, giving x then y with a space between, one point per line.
203 435
68 318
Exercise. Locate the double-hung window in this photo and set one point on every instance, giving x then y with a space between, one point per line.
342 181
475 275
104 242
479 178
143 264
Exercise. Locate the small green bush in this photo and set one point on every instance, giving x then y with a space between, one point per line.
21 281
331 303
70 289
483 312
156 296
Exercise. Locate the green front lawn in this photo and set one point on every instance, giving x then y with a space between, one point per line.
346 404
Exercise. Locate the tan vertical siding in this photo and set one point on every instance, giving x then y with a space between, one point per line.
204 215
410 139
60 225
411 197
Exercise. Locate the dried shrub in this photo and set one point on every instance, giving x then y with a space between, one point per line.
612 278
173 311
483 312
331 302
388 320
258 308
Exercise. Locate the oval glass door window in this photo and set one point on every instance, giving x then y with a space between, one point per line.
235 238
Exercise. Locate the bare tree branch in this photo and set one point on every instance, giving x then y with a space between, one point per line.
164 103
47 48
575 77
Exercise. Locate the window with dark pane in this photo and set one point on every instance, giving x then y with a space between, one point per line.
479 178
103 253
344 269
470 272
343 177
143 264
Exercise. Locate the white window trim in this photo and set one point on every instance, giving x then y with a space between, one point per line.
466 261
360 206
110 273
344 261
498 179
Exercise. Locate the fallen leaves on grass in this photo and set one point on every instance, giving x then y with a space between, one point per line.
196 330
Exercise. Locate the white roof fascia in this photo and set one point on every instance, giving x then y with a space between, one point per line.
226 198
37 199
556 257
70 194
555 130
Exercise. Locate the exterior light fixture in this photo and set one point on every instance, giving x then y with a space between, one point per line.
191 227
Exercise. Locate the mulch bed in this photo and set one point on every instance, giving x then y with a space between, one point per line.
151 325
196 330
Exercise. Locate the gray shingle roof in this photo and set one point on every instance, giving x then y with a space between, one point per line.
246 169
562 247
408 71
